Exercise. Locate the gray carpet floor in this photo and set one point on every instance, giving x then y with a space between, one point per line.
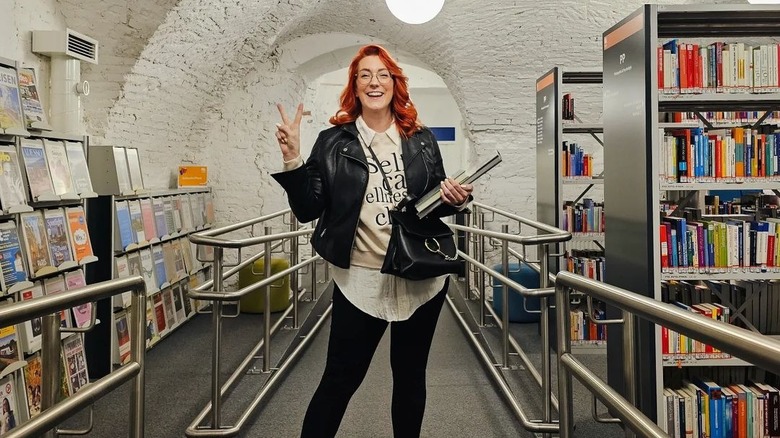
462 402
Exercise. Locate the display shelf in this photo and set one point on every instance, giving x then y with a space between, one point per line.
583 128
573 180
587 237
745 185
633 106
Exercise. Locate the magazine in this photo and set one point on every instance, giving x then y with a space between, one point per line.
429 201
82 183
11 258
37 169
75 362
147 269
79 234
159 314
33 375
134 166
152 334
9 417
82 315
56 285
59 167
170 311
9 342
11 117
34 114
30 333
60 250
34 233
122 172
122 337
12 192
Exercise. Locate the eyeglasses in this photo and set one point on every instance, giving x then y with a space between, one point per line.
364 77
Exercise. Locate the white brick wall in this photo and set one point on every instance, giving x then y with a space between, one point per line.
196 80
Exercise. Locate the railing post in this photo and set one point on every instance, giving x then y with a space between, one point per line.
505 303
468 248
216 319
314 281
629 361
565 400
294 275
267 307
544 270
50 363
481 276
138 353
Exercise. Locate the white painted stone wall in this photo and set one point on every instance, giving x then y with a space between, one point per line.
193 81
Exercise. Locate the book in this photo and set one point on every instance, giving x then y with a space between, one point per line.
82 315
12 191
78 232
122 270
178 257
152 334
75 362
57 236
11 116
147 216
170 223
34 233
9 342
147 269
30 331
56 285
186 300
9 416
159 217
136 220
37 168
159 314
134 166
122 336
79 169
122 171
170 311
160 275
429 201
169 257
34 114
178 303
124 235
134 264
33 377
11 258
59 167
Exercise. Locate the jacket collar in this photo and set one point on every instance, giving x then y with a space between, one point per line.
409 149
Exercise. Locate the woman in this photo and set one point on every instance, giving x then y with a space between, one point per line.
342 184
8 420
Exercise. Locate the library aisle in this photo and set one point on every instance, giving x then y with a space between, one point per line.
461 400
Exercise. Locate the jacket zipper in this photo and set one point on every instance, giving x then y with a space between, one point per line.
365 186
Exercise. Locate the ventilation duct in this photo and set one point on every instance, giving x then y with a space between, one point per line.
67 49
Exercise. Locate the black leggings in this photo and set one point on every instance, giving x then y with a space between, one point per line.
354 336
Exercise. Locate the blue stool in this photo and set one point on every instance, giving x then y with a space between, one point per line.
525 276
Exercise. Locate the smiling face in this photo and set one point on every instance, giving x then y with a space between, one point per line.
374 85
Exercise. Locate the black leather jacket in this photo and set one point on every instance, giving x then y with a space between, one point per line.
332 184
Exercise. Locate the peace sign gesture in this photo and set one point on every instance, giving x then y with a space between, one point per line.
288 133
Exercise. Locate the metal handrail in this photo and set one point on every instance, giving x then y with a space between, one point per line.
48 308
218 296
755 348
550 235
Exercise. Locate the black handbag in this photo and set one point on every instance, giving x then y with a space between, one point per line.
418 248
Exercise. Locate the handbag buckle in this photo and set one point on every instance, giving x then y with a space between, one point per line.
437 249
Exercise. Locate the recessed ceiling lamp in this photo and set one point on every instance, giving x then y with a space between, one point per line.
415 11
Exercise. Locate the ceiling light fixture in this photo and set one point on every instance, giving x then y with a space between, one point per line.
415 11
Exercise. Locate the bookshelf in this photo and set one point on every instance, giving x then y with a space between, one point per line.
635 98
147 234
559 181
45 247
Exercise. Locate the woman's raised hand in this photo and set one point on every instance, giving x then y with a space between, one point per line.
288 133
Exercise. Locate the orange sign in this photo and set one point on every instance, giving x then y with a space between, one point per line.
193 176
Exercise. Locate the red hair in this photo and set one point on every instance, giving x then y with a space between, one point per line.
401 106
